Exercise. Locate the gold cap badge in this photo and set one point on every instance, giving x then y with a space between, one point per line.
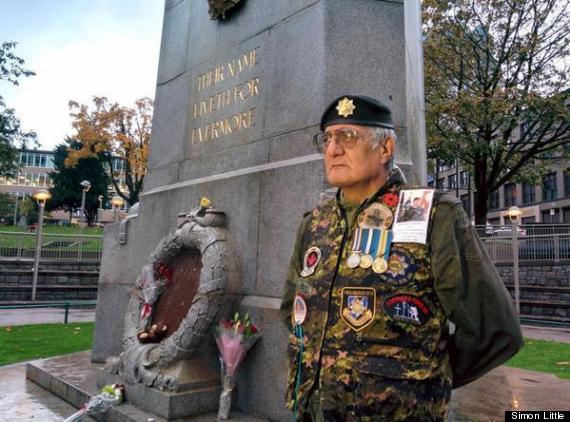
345 107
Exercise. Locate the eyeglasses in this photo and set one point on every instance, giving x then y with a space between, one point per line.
346 138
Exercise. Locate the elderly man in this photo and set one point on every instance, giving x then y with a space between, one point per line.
371 300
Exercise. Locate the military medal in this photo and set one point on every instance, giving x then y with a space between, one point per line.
354 259
310 261
299 310
377 215
366 259
380 264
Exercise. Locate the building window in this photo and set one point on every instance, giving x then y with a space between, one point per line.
528 220
464 179
567 182
566 215
550 216
452 181
549 187
466 203
528 193
494 200
510 194
441 183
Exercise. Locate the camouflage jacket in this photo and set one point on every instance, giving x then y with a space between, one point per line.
400 365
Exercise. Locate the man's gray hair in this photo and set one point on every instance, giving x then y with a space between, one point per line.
381 135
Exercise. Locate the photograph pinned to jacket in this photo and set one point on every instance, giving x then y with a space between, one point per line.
412 216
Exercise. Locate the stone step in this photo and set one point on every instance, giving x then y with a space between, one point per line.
74 379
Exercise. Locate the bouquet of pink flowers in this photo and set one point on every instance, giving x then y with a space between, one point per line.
234 338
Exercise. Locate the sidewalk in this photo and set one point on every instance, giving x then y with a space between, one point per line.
561 335
44 316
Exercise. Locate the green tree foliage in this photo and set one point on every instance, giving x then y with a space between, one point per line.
11 134
29 208
497 90
67 191
7 204
113 132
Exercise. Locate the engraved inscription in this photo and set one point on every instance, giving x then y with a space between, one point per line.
208 111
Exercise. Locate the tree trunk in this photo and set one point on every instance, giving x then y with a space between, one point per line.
481 205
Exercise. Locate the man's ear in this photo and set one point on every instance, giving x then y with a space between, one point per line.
387 150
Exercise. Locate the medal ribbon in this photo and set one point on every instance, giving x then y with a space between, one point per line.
376 235
366 241
388 244
384 246
356 241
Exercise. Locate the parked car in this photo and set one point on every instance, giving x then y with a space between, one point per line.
506 231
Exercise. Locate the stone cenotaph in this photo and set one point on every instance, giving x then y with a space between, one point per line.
240 89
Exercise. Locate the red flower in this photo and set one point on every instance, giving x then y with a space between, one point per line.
164 272
390 199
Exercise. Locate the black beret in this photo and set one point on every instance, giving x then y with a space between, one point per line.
357 110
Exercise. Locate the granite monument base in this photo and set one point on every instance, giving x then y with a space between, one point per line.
200 394
73 378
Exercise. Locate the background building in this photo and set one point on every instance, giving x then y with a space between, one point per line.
545 202
34 174
36 165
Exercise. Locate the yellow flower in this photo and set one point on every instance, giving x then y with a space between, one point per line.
205 202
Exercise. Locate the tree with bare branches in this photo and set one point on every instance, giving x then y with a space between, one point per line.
114 132
497 90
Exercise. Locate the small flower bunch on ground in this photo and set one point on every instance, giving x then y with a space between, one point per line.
111 395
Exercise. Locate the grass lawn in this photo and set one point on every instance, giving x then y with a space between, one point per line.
28 342
543 356
53 246
56 230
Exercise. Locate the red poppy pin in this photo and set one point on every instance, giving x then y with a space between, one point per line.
390 199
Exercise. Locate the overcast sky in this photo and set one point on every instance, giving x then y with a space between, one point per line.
79 48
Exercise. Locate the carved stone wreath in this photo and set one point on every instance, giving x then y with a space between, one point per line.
200 232
219 8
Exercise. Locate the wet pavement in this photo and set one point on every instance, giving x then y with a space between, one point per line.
483 400
23 400
503 389
43 316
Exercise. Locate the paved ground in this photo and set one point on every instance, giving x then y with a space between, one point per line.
23 400
43 316
546 333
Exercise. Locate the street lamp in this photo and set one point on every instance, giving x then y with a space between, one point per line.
86 185
100 209
41 197
514 214
117 202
